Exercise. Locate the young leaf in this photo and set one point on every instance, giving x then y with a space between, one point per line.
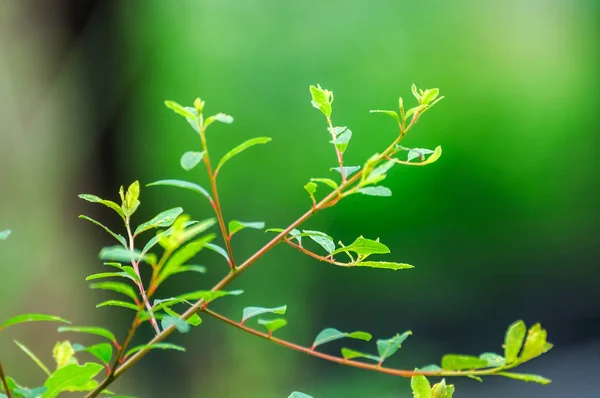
342 140
181 232
389 113
513 341
364 247
331 334
181 325
439 390
348 170
462 362
182 255
63 354
420 387
347 353
190 159
118 237
384 264
322 239
379 173
311 188
388 347
375 191
494 360
241 148
90 330
71 378
181 110
118 303
31 318
525 377
429 95
326 181
132 199
235 226
107 203
272 324
33 357
102 351
155 346
217 249
116 287
5 234
120 254
250 312
109 275
193 320
182 184
535 344
190 268
219 117
162 220
321 99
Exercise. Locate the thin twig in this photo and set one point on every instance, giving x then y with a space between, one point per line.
4 382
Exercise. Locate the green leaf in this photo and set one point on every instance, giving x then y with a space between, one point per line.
439 390
31 318
107 203
342 140
219 117
418 153
430 368
89 330
429 95
181 110
513 341
181 184
63 354
348 170
311 188
364 247
331 334
494 360
33 357
416 109
420 387
322 239
326 181
128 271
235 226
321 99
132 198
207 295
383 265
250 312
437 153
297 394
525 377
241 148
375 191
118 303
155 346
182 231
190 159
5 234
218 249
193 320
120 254
388 347
108 275
162 220
183 255
389 113
102 351
462 362
118 237
272 324
116 287
347 353
71 378
181 325
535 344
190 268
379 173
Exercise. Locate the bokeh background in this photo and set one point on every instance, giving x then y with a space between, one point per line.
503 227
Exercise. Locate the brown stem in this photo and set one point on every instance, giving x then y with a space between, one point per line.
4 382
315 255
338 153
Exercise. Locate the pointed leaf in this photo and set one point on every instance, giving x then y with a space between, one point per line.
182 232
347 353
5 234
107 203
33 357
418 153
341 141
272 324
348 170
384 265
71 377
494 360
102 351
190 268
235 226
181 110
190 159
241 148
31 318
331 334
388 347
162 220
108 275
526 377
462 362
89 330
420 387
155 346
120 254
326 181
321 99
322 239
132 198
181 184
364 247
250 312
206 295
375 191
183 255
389 113
513 341
535 344
218 249
181 325
118 237
116 287
118 303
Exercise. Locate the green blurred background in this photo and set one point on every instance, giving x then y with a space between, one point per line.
503 227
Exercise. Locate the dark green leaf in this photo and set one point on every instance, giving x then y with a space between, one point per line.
120 254
384 264
388 347
348 170
375 191
118 303
420 387
90 330
190 159
513 341
155 346
182 184
364 247
162 220
235 226
181 325
322 239
494 360
102 351
5 234
71 378
331 334
462 362
33 357
240 148
272 324
390 113
116 287
347 353
250 312
107 203
321 99
181 110
118 237
526 377
31 318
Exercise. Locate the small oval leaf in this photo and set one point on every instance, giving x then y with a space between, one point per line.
250 312
31 318
190 159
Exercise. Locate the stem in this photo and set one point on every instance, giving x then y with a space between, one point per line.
4 382
315 255
132 329
338 153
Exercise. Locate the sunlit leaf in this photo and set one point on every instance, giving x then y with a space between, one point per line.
118 237
208 295
375 191
33 357
107 203
440 390
31 318
181 110
116 287
526 377
388 347
342 140
389 113
98 331
235 225
118 303
162 220
155 346
364 247
324 240
311 188
326 181
182 231
420 387
181 184
219 117
63 354
494 360
272 324
250 312
5 234
183 255
348 170
102 351
109 275
513 341
535 343
321 99
70 378
347 353
193 320
120 254
132 198
190 159
331 334
462 362
240 148
384 265
179 324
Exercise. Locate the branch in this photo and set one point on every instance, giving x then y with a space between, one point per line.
315 255
4 382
